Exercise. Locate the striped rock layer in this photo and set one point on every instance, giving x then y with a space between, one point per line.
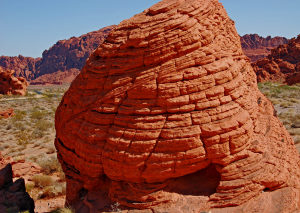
170 95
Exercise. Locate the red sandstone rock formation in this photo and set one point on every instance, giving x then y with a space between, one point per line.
65 56
257 47
10 85
166 115
6 113
23 66
13 195
282 65
58 77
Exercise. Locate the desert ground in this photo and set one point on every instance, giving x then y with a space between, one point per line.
30 133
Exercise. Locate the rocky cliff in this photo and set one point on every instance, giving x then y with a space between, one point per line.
166 116
64 56
23 66
63 61
257 47
282 65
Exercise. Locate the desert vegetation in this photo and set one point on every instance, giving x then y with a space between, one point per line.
29 136
286 100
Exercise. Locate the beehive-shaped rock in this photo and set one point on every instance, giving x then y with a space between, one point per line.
167 109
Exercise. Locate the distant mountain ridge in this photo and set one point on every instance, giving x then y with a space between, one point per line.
65 56
257 47
64 60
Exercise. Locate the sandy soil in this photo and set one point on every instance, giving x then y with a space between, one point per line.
29 135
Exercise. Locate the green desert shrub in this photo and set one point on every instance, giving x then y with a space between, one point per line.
42 181
53 191
23 138
19 115
38 114
49 165
29 187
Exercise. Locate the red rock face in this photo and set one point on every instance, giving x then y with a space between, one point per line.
58 77
67 56
257 47
166 114
6 113
10 85
283 64
23 66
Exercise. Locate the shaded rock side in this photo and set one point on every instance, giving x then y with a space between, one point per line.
10 85
166 114
13 195
257 47
282 65
64 56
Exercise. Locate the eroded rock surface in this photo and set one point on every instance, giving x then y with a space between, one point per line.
6 113
59 77
257 47
166 115
282 65
25 67
10 85
13 195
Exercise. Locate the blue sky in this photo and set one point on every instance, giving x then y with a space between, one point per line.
28 27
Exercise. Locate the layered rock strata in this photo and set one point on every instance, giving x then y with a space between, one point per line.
166 114
282 65
10 85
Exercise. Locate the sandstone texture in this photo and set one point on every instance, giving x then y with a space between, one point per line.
282 65
166 116
61 63
257 47
10 85
6 113
58 77
13 195
23 66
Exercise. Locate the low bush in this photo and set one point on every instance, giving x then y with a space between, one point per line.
42 181
49 165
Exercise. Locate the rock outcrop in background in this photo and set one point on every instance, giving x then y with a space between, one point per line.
64 60
23 66
66 56
257 47
166 115
282 65
10 85
13 195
